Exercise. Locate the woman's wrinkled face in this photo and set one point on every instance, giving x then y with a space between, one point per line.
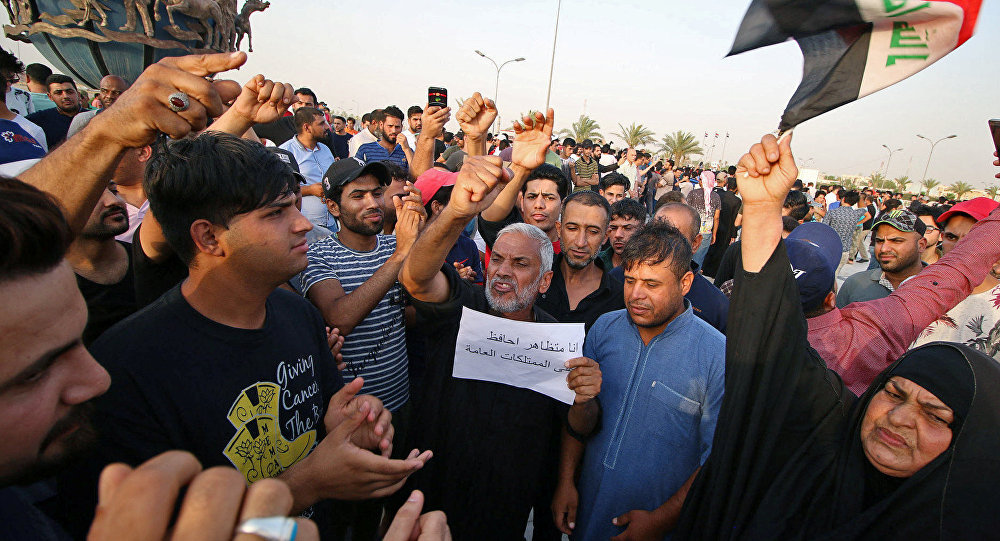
905 428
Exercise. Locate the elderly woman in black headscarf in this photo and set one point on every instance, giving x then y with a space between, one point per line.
797 456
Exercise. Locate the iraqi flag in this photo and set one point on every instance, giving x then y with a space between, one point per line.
852 48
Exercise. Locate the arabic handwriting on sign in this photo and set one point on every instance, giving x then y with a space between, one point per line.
572 347
503 338
480 351
562 369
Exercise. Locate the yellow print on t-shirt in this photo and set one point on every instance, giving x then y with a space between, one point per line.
258 449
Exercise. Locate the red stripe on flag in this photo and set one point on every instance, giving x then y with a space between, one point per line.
971 9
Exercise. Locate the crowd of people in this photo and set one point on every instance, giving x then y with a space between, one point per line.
231 314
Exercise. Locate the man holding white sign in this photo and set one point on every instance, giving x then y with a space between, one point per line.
491 439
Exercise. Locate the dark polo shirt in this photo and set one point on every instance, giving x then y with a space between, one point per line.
609 296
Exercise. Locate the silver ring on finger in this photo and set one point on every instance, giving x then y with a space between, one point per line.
178 102
270 528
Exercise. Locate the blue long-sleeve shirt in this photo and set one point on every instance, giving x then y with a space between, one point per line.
661 403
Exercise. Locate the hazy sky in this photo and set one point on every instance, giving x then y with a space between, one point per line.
658 63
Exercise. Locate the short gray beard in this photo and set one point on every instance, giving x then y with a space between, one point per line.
577 265
523 298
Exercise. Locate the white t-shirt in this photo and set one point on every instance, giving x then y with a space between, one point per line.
19 101
974 322
606 159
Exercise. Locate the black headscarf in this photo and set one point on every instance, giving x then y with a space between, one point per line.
787 461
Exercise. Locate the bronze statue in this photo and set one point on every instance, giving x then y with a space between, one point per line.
243 22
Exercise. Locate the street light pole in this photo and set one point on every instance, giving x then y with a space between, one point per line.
552 65
496 86
887 162
931 153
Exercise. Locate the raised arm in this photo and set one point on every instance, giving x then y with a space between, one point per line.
771 373
77 172
764 176
532 136
433 120
343 310
404 143
475 189
915 305
259 101
475 118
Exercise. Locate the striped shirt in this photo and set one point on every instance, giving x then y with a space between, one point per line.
374 152
376 349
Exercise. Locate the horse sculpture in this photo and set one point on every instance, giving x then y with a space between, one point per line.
243 21
202 10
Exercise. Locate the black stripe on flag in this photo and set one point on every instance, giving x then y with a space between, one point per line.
768 22
832 70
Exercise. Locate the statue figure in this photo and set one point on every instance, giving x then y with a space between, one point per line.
243 21
132 7
203 10
87 6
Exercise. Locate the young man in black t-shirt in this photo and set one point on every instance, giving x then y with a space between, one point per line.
103 266
226 365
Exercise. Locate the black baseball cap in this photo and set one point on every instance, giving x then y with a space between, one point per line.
349 169
288 159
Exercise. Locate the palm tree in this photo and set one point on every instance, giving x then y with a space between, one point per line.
929 184
901 183
585 128
635 135
679 145
993 191
880 182
959 189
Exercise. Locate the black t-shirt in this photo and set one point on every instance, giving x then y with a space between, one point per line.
868 223
253 399
341 145
439 148
608 296
153 279
490 441
107 304
53 123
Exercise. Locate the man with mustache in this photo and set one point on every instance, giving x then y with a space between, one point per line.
103 265
491 441
351 276
665 371
55 122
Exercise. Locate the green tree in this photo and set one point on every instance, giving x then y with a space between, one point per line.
880 182
959 189
635 135
679 145
993 191
584 128
929 184
900 183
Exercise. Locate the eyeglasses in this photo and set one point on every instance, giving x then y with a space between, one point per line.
12 78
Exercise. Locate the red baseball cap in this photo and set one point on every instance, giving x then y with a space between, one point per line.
977 208
433 180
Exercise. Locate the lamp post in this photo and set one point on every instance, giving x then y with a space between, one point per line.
552 64
496 86
931 153
890 158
